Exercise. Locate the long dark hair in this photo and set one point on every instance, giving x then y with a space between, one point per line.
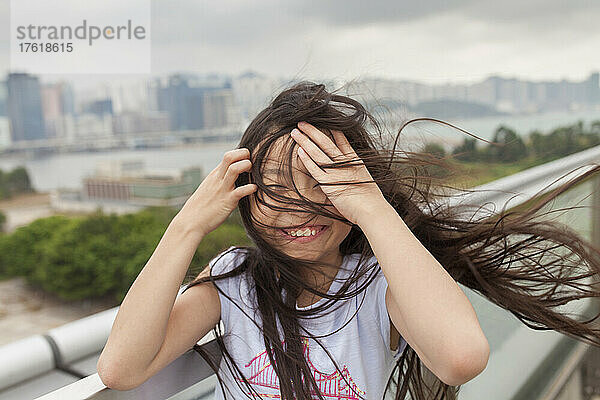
515 258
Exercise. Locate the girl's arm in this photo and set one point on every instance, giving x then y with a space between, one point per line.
425 304
149 331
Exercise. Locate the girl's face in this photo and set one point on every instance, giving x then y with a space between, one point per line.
325 234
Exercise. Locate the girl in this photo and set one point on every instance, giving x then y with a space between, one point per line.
351 283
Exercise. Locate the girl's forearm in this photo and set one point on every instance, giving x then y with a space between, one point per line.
436 312
140 325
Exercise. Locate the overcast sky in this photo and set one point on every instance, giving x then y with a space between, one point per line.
429 41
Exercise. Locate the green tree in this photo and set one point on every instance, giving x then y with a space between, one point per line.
87 258
595 127
22 251
98 255
4 193
230 233
18 181
435 149
467 151
539 145
509 148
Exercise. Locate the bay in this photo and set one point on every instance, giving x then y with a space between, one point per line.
66 170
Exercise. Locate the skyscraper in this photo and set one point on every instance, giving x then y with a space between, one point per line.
25 107
593 84
183 99
194 103
3 96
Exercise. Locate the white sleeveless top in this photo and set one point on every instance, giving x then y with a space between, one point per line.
361 348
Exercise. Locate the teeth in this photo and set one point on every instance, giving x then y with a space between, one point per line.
306 232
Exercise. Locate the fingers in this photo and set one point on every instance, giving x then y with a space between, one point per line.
342 143
310 147
322 140
310 165
234 171
231 157
244 190
233 164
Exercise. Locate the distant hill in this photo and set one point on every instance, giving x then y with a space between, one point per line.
442 109
453 109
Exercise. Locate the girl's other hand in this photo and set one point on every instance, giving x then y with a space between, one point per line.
216 197
360 195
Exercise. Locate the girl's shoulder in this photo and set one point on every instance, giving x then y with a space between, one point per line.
227 260
235 292
366 263
374 306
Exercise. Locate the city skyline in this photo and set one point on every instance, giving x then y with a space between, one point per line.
219 106
83 83
457 41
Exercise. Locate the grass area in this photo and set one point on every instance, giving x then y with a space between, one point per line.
477 173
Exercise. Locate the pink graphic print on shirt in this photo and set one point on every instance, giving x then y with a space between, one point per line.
334 386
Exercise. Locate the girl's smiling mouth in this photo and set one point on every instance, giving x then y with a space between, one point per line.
304 234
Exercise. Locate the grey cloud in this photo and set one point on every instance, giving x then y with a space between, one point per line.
240 23
358 12
233 23
276 35
542 14
4 24
532 10
4 36
229 23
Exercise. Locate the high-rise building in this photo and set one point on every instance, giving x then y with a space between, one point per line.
4 132
593 84
217 104
25 107
58 107
3 99
183 101
194 103
100 107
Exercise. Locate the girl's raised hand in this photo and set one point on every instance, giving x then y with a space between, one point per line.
352 200
216 197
